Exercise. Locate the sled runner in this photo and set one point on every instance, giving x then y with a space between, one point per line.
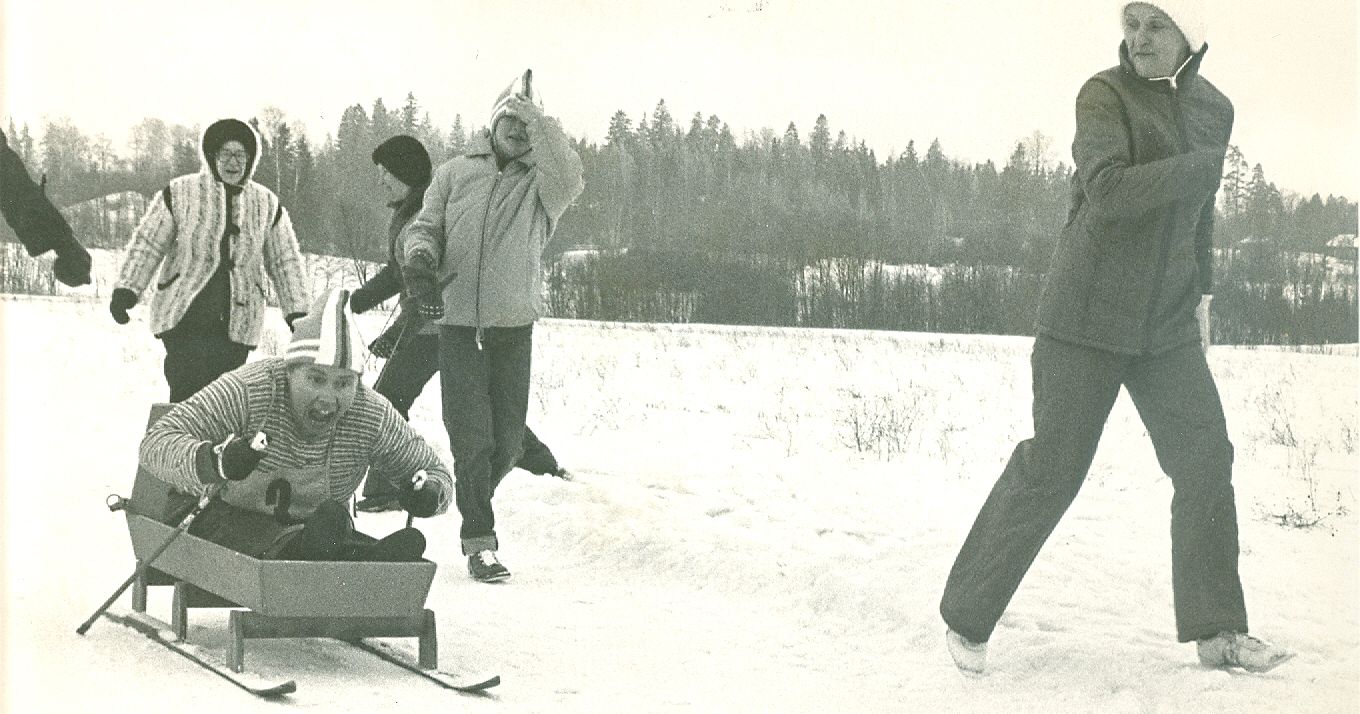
349 601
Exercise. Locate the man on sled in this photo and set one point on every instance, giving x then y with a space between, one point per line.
286 440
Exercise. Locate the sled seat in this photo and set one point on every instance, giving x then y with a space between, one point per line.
273 598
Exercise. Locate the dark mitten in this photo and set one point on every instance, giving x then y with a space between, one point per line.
122 301
420 497
418 274
237 458
292 317
72 266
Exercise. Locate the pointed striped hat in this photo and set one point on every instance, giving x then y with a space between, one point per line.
326 335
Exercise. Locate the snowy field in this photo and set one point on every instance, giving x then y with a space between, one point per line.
762 522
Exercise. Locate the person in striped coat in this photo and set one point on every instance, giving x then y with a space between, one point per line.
285 441
215 236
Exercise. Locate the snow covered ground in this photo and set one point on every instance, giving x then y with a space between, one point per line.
762 522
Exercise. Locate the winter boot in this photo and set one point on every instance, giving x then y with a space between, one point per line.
969 657
483 566
403 546
1238 649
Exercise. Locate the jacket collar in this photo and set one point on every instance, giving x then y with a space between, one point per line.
1187 71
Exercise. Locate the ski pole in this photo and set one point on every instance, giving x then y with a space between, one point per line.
142 565
417 481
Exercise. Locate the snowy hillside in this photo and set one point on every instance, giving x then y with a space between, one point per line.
762 522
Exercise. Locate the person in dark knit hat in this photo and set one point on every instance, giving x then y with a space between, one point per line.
411 342
1126 305
286 440
472 260
214 236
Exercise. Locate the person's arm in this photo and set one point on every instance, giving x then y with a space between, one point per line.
150 240
283 263
177 449
401 452
383 285
425 233
1114 186
558 165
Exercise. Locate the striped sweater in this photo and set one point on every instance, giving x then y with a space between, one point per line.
183 238
254 398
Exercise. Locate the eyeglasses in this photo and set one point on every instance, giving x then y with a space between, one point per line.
236 156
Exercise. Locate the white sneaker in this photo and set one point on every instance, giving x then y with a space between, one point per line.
969 657
1238 649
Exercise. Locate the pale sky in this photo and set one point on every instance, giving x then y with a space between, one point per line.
977 75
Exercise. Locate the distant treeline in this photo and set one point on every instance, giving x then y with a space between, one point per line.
685 221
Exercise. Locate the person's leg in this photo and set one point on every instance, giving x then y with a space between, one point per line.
464 378
1074 389
1180 406
192 362
511 351
403 378
327 534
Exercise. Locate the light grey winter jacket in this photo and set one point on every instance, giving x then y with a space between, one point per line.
487 228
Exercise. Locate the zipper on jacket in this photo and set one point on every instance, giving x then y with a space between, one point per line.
481 260
1169 226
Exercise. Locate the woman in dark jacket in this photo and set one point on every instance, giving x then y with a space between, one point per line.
411 343
1126 304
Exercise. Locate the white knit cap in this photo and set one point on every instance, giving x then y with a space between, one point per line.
1190 16
521 86
325 335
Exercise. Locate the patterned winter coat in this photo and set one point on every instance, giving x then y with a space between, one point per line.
181 233
490 227
254 398
1136 253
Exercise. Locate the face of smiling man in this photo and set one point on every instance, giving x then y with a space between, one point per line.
319 395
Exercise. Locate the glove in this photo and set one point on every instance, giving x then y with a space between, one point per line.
237 458
72 267
420 497
418 274
122 301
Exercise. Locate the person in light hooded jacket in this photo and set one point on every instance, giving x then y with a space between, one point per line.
1126 304
216 236
473 255
410 344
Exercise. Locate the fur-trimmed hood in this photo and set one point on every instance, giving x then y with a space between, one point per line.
219 133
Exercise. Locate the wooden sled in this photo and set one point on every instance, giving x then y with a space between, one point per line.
273 598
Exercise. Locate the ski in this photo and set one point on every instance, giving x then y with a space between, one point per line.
461 683
159 633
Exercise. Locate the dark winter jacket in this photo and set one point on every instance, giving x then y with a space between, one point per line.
1136 253
191 230
388 282
38 224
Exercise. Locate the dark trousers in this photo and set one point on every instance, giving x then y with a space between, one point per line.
486 396
193 361
413 363
1074 390
327 534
